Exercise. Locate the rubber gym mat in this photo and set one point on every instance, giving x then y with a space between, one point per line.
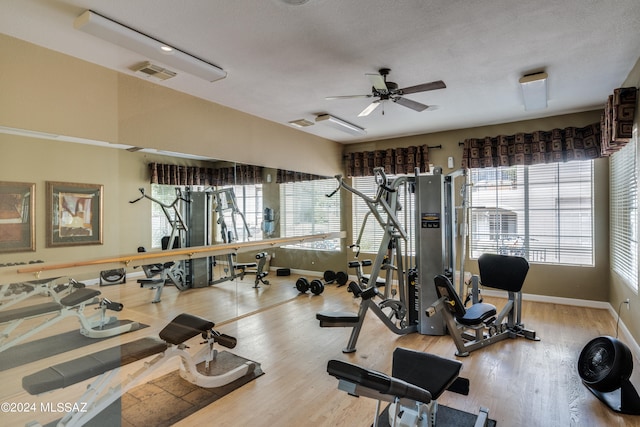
170 398
32 351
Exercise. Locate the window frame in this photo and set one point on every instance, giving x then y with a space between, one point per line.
567 242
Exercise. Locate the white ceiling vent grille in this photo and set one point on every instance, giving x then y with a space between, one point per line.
147 69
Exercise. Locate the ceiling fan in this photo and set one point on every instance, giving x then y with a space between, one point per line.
384 90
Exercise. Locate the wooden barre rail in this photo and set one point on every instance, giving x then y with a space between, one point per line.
143 258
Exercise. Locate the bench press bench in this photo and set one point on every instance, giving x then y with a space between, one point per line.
417 380
71 305
105 365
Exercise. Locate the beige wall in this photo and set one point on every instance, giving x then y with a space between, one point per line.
49 92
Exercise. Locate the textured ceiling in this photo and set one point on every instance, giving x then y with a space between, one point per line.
283 60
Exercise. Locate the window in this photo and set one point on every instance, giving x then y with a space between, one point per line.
373 232
542 212
305 209
623 205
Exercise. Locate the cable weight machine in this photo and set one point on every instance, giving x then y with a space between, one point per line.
430 228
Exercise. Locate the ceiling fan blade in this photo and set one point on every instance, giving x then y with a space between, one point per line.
369 109
423 87
348 97
377 81
417 106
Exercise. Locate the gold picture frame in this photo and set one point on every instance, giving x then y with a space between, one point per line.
17 217
74 214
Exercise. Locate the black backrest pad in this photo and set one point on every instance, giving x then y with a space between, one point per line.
78 296
85 367
428 371
503 271
377 381
444 288
184 327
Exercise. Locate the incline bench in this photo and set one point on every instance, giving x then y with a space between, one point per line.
105 364
417 380
70 305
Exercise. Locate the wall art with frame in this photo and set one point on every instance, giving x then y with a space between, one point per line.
74 214
17 217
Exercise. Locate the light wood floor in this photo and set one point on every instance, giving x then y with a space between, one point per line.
523 383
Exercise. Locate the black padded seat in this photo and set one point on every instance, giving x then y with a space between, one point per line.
71 372
329 317
427 371
477 314
183 327
28 311
377 381
79 296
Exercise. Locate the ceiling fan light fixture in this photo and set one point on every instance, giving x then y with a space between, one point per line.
340 124
534 91
369 109
128 38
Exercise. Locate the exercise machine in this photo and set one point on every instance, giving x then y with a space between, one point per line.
173 212
502 272
417 381
429 227
74 304
108 386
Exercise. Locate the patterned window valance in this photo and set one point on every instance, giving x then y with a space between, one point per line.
617 119
557 145
393 160
194 175
285 176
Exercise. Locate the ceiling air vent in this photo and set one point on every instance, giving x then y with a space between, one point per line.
147 69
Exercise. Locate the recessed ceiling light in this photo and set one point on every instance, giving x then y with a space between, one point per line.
166 49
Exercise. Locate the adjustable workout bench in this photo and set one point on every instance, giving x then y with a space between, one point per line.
417 380
496 271
70 305
158 274
107 387
13 293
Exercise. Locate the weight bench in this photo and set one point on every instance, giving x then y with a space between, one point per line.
107 387
71 305
417 381
259 271
157 275
13 293
496 271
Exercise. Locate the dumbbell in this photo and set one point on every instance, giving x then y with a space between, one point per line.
340 277
303 285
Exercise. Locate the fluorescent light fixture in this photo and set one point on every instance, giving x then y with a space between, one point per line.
301 123
534 91
341 124
128 38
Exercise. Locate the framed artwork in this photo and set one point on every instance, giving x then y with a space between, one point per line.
17 217
74 214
